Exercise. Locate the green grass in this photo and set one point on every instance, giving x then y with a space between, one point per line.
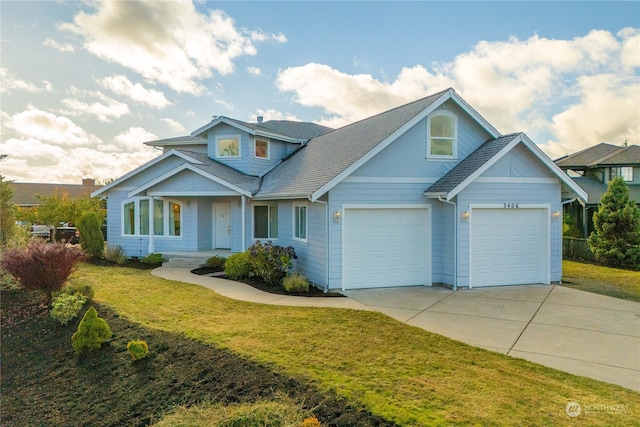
399 372
614 282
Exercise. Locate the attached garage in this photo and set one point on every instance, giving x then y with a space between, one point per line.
509 246
386 247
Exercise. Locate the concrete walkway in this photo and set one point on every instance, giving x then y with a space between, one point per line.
574 331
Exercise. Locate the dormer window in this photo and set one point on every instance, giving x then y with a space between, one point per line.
626 172
227 146
442 142
262 149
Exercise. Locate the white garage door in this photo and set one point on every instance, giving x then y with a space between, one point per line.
509 247
385 247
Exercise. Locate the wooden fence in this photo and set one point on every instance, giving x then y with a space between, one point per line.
576 249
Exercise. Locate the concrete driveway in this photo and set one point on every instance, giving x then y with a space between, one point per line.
574 331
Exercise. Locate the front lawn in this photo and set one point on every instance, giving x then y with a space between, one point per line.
401 373
614 282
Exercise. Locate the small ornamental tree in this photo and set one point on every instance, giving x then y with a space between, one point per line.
42 266
91 238
92 332
616 239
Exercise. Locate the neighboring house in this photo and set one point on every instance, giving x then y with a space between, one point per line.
25 194
592 169
428 192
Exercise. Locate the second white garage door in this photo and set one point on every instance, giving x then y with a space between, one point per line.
385 247
508 247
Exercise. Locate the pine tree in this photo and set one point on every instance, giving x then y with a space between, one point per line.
616 239
92 332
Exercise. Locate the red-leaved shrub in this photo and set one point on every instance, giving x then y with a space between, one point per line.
42 266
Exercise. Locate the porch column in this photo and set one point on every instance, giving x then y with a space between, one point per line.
243 203
585 221
152 247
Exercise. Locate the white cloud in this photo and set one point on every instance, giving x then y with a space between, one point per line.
47 127
122 86
66 48
515 84
254 70
173 125
167 42
10 83
133 138
272 114
102 107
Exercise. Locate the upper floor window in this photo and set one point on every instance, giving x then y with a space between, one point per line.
300 222
228 146
442 142
265 222
262 149
626 172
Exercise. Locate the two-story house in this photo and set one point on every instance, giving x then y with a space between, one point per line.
428 192
592 169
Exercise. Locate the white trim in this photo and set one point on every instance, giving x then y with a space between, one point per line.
268 157
143 167
192 193
521 206
304 205
237 137
356 206
454 147
187 166
516 180
390 180
246 129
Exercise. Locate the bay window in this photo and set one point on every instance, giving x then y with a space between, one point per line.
136 217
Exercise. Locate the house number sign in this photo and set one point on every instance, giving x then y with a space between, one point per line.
510 205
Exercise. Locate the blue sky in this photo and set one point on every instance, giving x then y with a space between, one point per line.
85 83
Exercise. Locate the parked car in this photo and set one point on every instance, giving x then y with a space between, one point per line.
41 231
68 234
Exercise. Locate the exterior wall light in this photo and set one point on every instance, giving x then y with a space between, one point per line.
465 215
336 216
555 215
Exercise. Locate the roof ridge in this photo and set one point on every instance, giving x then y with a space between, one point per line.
608 156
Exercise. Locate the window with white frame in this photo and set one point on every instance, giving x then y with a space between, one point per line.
262 149
442 141
265 222
228 146
136 221
300 222
626 172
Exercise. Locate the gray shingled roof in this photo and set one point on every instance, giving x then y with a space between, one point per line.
602 154
472 163
246 182
25 193
326 156
595 189
292 129
180 140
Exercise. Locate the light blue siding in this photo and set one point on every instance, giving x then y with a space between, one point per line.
277 151
407 156
519 162
188 181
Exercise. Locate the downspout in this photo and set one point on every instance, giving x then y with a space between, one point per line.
152 248
326 249
455 240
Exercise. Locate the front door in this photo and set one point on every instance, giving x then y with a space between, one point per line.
222 225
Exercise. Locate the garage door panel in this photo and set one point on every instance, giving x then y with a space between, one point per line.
385 247
508 246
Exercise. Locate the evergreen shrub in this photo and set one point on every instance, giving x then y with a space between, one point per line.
91 238
153 260
92 332
216 262
238 266
65 307
138 349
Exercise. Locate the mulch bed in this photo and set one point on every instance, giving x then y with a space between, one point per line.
45 383
274 289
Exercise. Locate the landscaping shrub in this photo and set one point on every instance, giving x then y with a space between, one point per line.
91 238
65 307
570 228
311 422
115 254
216 262
295 283
92 332
153 259
238 266
83 289
271 262
138 349
42 266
